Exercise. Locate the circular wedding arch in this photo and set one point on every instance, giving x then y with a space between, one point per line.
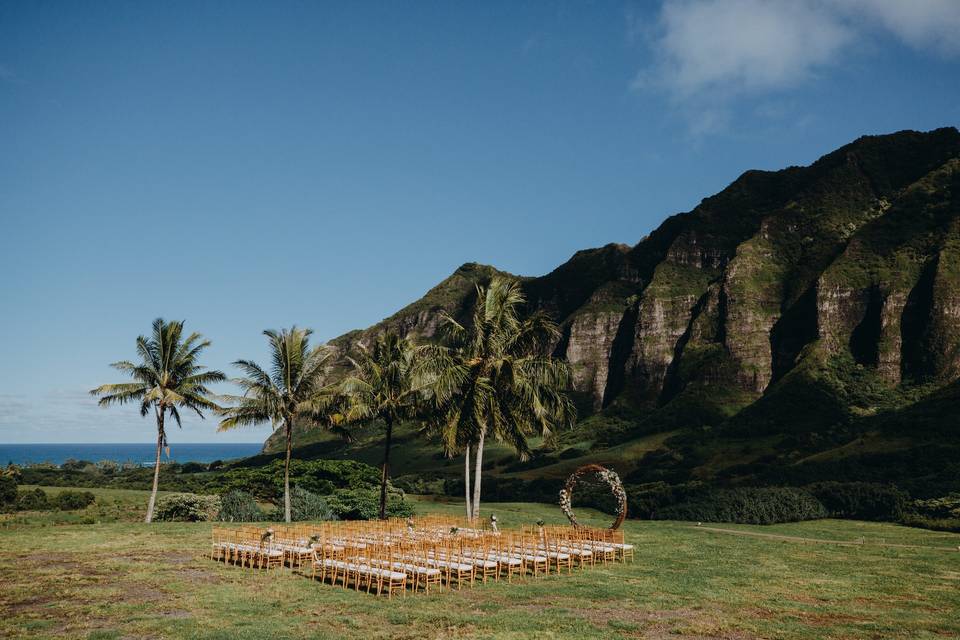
607 475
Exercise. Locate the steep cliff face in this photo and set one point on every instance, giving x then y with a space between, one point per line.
887 299
856 255
587 346
757 261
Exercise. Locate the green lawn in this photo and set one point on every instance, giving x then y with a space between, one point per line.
122 579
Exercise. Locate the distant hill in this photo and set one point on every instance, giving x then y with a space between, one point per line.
797 322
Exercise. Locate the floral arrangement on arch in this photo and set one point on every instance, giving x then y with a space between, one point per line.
606 475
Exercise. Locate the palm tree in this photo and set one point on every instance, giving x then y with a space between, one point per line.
497 379
384 386
167 379
292 391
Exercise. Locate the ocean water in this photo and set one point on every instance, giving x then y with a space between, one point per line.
126 452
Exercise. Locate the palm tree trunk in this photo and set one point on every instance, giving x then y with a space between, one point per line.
286 472
156 467
466 480
386 471
476 476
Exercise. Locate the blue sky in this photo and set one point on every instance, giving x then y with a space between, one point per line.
252 165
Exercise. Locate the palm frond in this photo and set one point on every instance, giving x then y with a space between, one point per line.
168 375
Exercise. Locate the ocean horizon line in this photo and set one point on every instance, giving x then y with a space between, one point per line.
106 442
138 452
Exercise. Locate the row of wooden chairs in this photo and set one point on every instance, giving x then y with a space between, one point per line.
417 554
605 544
246 547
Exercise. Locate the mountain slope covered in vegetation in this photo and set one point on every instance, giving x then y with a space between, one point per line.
797 325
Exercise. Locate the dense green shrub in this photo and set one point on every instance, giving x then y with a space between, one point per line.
187 507
939 514
594 494
643 501
8 492
129 477
860 500
239 506
317 476
305 505
453 487
947 507
73 500
419 485
76 465
33 500
355 504
364 504
936 524
108 467
13 471
501 489
264 482
752 505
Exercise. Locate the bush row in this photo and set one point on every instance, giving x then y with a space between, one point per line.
38 500
697 501
241 506
187 507
8 492
940 514
749 505
265 482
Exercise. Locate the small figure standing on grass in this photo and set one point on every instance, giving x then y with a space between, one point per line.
493 524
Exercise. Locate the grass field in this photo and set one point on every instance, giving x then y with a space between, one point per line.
123 579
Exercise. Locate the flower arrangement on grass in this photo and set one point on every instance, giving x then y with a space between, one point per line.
266 537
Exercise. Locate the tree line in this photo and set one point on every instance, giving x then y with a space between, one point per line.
491 376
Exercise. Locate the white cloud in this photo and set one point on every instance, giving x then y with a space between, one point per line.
713 49
737 45
923 24
707 121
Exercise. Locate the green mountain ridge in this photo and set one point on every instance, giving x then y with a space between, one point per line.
765 332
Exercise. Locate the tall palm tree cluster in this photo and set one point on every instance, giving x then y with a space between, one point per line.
490 377
497 379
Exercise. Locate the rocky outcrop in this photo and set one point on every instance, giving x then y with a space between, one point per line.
753 293
587 346
941 338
